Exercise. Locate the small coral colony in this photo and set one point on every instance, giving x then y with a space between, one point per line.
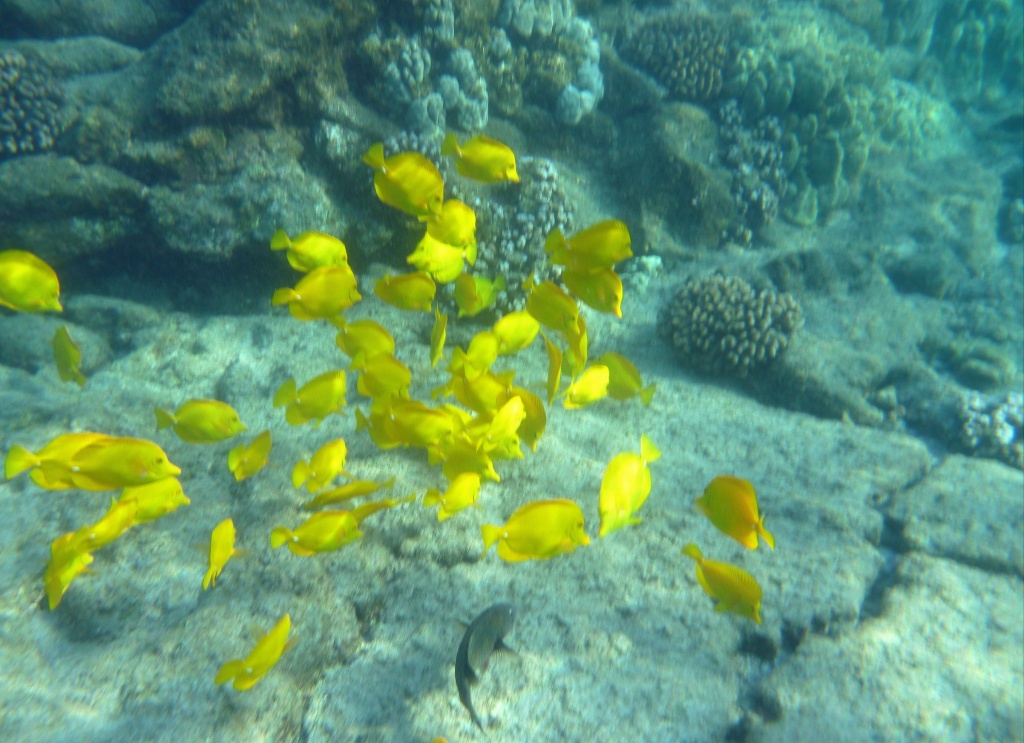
493 418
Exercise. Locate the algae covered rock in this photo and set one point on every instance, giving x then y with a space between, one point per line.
29 103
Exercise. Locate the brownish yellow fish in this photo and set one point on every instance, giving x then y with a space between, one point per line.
68 356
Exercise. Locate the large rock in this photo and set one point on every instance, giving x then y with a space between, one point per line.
135 22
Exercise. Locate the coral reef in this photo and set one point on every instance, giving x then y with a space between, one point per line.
992 426
688 54
29 101
722 325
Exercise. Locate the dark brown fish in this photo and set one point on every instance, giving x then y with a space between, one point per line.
484 636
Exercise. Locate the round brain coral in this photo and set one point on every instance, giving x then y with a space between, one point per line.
28 105
722 325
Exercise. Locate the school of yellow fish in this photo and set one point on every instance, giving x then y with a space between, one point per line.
467 441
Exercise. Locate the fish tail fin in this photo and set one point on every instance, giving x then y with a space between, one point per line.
693 552
432 497
491 534
450 145
18 460
279 536
470 253
210 579
647 394
648 451
766 535
554 242
228 671
499 283
374 156
282 296
285 393
279 240
300 473
163 419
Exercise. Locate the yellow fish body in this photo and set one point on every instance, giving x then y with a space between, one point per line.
222 549
624 380
59 449
625 486
315 400
462 493
537 531
515 331
438 335
245 672
554 378
155 499
382 377
730 503
324 531
348 491
322 294
459 456
407 181
455 225
417 425
577 344
118 519
67 356
474 294
733 589
477 358
599 246
600 288
591 386
27 283
201 421
482 158
552 307
442 261
411 291
310 250
535 419
66 563
246 460
111 463
326 463
366 337
496 433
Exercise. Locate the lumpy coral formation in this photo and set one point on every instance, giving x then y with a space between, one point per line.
29 101
723 325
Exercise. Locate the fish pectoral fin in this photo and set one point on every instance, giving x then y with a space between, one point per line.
722 606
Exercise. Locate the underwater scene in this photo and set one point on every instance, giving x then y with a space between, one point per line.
511 370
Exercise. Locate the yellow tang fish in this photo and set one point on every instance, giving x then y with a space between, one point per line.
733 588
366 337
245 672
461 493
537 531
578 344
324 531
326 463
27 283
382 377
118 519
222 549
67 356
416 424
624 380
474 294
315 400
554 369
730 503
66 563
407 181
458 455
60 449
202 421
438 335
515 331
454 225
155 499
310 250
599 288
625 486
482 158
496 433
477 358
599 246
348 491
410 291
246 460
535 419
111 463
322 294
442 261
591 386
552 307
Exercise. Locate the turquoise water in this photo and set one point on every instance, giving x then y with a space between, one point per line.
824 280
